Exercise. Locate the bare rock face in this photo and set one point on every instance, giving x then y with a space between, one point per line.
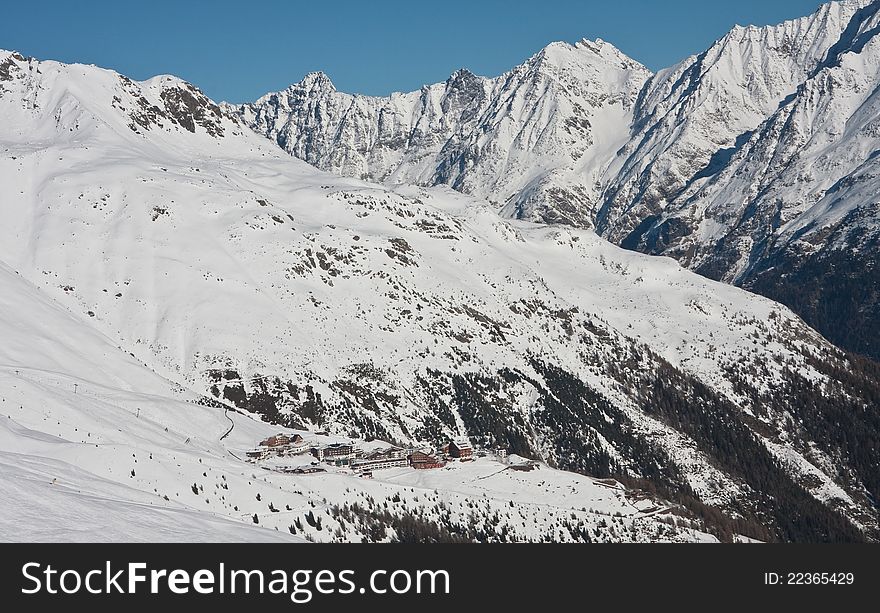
188 107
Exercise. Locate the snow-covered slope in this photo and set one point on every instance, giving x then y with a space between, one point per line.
768 187
692 117
96 447
751 162
216 260
534 141
75 411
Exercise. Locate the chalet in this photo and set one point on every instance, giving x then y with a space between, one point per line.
460 447
423 461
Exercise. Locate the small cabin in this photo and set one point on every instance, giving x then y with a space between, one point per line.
460 447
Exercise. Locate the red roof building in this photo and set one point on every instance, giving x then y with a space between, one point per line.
279 440
422 461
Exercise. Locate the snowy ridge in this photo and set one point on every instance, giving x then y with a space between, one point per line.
793 200
690 115
525 140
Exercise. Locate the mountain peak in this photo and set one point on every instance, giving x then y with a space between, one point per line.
585 52
462 73
6 53
461 78
317 80
598 46
233 270
828 19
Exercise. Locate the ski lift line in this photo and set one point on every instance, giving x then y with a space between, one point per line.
95 394
50 377
56 377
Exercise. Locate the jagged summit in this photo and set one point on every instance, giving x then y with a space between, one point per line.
585 56
462 76
70 100
317 80
568 105
749 163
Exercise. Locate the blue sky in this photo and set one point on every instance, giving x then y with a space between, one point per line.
237 51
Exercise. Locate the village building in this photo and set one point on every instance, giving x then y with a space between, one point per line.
420 460
379 459
279 440
278 446
460 447
340 454
260 453
298 445
377 463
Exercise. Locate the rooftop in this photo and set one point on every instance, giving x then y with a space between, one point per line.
462 442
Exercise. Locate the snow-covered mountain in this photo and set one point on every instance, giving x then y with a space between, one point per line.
750 163
221 266
534 141
108 435
691 118
95 446
754 162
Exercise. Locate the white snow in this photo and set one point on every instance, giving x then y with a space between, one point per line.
136 255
